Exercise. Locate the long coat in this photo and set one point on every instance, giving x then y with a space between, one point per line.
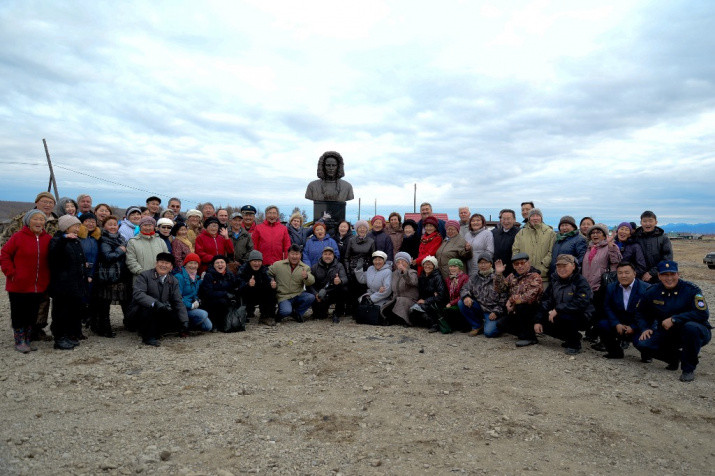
404 293
452 248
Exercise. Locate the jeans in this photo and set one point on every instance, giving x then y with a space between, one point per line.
477 318
199 319
298 304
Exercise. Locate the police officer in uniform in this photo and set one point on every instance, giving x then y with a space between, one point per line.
674 317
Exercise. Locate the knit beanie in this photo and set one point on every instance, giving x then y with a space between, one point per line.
131 210
30 214
456 262
453 223
431 219
536 211
626 224
191 257
175 229
194 213
430 259
66 221
598 226
377 217
255 255
211 220
360 223
486 255
403 256
146 220
42 195
568 219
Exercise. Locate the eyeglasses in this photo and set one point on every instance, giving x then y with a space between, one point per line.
165 227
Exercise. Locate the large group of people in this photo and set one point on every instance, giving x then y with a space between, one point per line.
206 270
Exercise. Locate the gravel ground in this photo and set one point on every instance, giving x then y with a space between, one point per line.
318 398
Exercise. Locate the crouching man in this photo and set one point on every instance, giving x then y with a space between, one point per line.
331 285
292 276
566 305
157 305
674 317
524 290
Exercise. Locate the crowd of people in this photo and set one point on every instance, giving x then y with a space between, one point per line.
208 270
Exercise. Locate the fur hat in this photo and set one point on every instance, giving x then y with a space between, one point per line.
87 216
430 259
66 221
168 257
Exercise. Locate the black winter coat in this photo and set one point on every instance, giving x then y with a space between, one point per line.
343 244
633 253
325 274
215 287
67 267
383 242
244 275
112 266
656 248
503 242
359 248
570 295
432 289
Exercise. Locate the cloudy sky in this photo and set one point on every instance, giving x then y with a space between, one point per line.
587 108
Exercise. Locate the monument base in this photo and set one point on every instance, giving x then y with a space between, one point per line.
332 213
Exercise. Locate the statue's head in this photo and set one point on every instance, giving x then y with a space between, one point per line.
330 166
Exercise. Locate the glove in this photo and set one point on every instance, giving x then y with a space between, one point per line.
360 263
162 307
322 293
195 305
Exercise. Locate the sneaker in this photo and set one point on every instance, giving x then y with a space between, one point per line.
675 365
572 351
475 332
598 347
687 376
433 329
336 319
73 341
614 355
23 347
64 344
526 342
151 341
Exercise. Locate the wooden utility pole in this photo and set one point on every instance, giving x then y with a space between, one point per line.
414 200
53 182
359 206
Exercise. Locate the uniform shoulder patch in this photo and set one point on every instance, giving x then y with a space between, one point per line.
700 303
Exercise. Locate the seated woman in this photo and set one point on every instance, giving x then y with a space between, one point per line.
630 250
481 304
181 246
569 241
453 246
432 295
359 252
189 285
313 249
479 239
383 242
404 291
298 234
410 238
429 243
455 281
377 278
217 291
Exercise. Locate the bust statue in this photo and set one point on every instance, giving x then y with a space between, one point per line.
330 187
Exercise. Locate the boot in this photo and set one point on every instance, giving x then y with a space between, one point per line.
20 344
28 342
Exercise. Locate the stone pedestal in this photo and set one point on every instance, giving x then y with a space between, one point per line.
336 210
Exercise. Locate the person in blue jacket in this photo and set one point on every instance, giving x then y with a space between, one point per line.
620 302
189 283
313 249
673 317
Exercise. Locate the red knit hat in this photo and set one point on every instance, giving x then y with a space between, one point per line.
377 217
191 257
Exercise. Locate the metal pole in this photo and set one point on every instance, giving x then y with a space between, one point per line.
359 206
53 182
375 208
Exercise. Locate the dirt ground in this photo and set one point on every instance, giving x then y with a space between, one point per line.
318 398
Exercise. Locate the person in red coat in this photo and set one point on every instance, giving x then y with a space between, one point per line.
271 238
24 261
212 243
430 242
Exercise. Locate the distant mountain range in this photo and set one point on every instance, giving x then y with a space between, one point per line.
700 228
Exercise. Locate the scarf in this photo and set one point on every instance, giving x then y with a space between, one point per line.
430 237
563 236
148 234
185 241
594 250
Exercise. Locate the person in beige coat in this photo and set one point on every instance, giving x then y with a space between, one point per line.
143 248
537 240
292 276
453 246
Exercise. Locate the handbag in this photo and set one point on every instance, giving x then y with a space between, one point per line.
368 314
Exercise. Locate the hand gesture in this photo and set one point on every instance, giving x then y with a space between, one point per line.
273 283
492 317
224 232
71 236
499 267
382 289
646 334
538 328
402 265
552 314
510 306
468 246
252 281
336 281
646 277
304 273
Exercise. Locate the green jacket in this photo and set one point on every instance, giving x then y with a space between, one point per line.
537 242
289 283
